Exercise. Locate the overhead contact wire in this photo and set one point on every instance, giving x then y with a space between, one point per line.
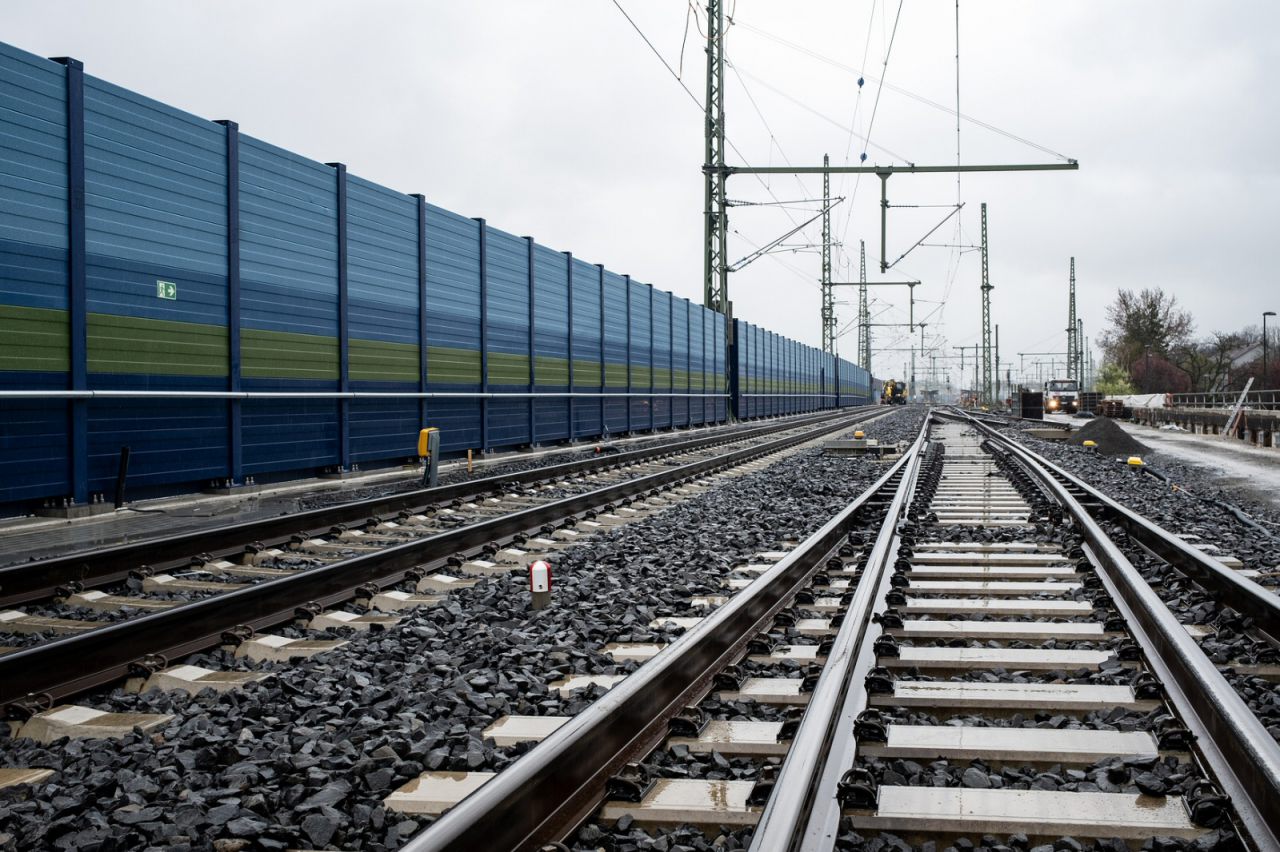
907 93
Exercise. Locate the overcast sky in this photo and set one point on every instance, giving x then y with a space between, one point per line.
553 118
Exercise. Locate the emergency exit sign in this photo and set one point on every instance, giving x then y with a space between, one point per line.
166 290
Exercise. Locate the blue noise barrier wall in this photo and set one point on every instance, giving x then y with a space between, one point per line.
229 309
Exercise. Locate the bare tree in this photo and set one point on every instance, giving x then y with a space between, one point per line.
1224 346
1142 322
1207 362
1195 359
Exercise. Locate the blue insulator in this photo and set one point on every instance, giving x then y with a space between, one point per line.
860 82
863 157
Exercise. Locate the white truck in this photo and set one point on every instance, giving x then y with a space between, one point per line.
1061 396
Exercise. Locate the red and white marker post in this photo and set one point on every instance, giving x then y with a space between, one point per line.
540 584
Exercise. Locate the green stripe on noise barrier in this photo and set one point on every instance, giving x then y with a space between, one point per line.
586 373
551 371
383 361
287 355
123 344
508 369
447 365
615 375
34 339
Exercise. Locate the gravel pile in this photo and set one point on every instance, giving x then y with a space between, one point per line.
305 758
1111 439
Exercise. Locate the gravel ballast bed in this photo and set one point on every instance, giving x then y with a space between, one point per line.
1150 775
305 758
513 463
1177 504
1185 502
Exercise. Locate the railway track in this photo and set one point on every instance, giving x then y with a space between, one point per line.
963 651
245 578
24 582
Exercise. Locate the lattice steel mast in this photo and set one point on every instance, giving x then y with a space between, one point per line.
861 323
998 397
1073 344
986 315
716 281
1080 350
716 223
828 300
864 312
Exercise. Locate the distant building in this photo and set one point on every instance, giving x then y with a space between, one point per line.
1246 355
1238 359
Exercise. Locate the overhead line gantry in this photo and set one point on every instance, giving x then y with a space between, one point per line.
716 218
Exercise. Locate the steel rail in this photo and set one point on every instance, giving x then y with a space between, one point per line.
100 656
24 582
1236 747
551 789
803 813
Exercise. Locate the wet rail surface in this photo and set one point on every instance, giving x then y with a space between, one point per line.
962 652
230 599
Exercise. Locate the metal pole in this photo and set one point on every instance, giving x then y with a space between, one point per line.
913 356
716 275
857 352
884 217
911 322
828 301
976 387
864 311
998 397
1265 314
1092 377
1080 352
986 314
1072 341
